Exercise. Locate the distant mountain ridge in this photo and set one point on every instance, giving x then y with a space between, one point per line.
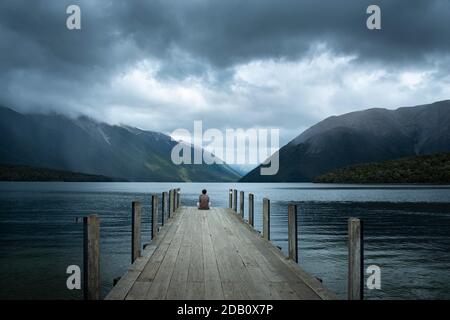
371 135
84 145
27 173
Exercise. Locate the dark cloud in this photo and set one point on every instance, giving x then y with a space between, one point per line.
220 33
45 66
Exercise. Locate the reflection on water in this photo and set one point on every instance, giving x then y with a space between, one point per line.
406 232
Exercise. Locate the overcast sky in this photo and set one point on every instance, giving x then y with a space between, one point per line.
160 65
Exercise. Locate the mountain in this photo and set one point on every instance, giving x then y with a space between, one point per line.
84 145
432 169
26 173
371 135
243 169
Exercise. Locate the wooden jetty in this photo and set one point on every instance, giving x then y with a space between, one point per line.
212 254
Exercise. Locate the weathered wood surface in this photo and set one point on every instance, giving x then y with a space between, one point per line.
178 197
154 217
355 259
200 254
241 203
136 215
292 232
266 219
91 258
164 209
251 209
171 204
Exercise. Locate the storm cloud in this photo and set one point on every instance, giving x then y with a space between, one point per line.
160 65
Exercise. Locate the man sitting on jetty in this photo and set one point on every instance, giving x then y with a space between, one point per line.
203 201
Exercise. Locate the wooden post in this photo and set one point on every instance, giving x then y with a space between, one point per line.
292 232
91 258
178 197
154 216
355 260
175 196
266 219
230 199
116 281
173 201
163 207
170 203
135 230
241 203
166 205
235 200
251 209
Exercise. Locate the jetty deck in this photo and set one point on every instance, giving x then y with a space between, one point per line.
214 254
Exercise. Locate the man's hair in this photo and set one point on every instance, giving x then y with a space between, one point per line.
204 191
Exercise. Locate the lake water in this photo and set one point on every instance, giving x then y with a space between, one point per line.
407 232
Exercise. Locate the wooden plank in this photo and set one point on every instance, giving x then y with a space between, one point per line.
162 241
272 260
195 290
226 261
126 282
355 260
161 281
213 285
292 232
255 283
300 275
221 249
277 280
195 286
138 290
196 271
122 289
251 209
178 281
154 219
266 219
255 256
251 276
285 291
91 259
140 263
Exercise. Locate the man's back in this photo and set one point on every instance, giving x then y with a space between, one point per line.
203 202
